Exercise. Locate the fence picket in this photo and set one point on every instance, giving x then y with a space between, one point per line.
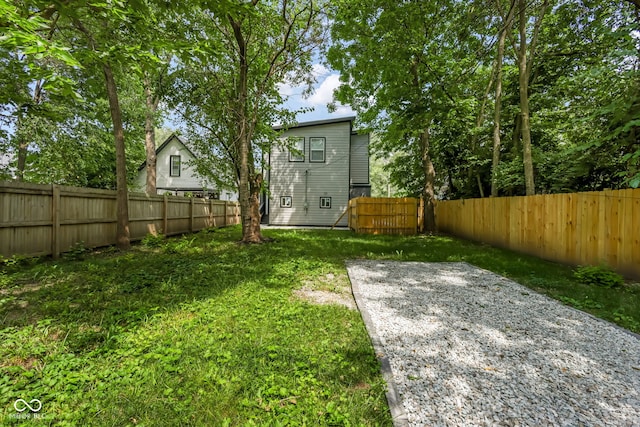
40 219
578 228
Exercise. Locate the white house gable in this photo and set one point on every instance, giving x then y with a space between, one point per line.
176 174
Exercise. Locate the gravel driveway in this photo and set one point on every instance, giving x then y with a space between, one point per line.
467 347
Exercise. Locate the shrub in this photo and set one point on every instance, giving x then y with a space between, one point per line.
598 275
153 240
76 252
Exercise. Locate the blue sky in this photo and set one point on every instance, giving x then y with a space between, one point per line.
327 81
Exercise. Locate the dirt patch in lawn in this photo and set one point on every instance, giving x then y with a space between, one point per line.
328 289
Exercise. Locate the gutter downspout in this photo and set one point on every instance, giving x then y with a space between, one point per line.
306 190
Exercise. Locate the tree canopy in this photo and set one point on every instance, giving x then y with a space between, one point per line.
568 91
467 99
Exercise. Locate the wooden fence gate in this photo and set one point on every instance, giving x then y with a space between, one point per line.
382 215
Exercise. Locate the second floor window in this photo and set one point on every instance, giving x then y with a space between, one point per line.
316 149
296 153
174 166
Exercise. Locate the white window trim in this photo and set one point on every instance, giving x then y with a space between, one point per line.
172 165
323 151
286 201
293 157
324 205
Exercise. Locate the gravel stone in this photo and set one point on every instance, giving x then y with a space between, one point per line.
467 347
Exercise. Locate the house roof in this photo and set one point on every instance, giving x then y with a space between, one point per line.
164 144
316 123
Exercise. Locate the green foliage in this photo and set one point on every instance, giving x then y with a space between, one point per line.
435 71
153 240
200 328
76 252
586 303
598 276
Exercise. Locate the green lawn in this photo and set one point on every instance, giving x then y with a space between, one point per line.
200 330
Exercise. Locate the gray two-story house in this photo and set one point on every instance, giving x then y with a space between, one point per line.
315 171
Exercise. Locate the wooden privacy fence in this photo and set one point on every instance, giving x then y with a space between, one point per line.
580 228
49 219
385 215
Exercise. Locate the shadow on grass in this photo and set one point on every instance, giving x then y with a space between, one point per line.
103 293
142 331
93 297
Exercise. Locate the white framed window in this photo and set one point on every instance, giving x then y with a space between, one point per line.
296 152
174 166
285 202
325 202
317 149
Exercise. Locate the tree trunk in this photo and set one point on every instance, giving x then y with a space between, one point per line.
524 103
515 136
122 201
248 182
429 183
150 136
498 106
22 158
23 141
479 122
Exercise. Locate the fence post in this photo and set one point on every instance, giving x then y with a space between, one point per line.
224 221
212 216
165 215
421 216
55 221
350 208
191 213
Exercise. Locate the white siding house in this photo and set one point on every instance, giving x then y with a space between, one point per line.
176 175
312 182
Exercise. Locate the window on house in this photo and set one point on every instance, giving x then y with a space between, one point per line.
296 153
285 202
325 202
316 149
174 166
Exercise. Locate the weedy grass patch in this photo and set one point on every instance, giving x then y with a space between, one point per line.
199 330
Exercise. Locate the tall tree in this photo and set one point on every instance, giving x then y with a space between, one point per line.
155 74
403 65
497 112
122 211
526 54
230 94
29 56
111 38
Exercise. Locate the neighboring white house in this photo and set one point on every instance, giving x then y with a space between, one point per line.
6 170
311 183
176 175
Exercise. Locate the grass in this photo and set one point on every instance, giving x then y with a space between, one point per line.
201 331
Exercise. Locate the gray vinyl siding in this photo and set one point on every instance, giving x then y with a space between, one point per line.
327 179
360 159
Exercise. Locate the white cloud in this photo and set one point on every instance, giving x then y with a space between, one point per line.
286 90
344 110
324 93
319 70
327 81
